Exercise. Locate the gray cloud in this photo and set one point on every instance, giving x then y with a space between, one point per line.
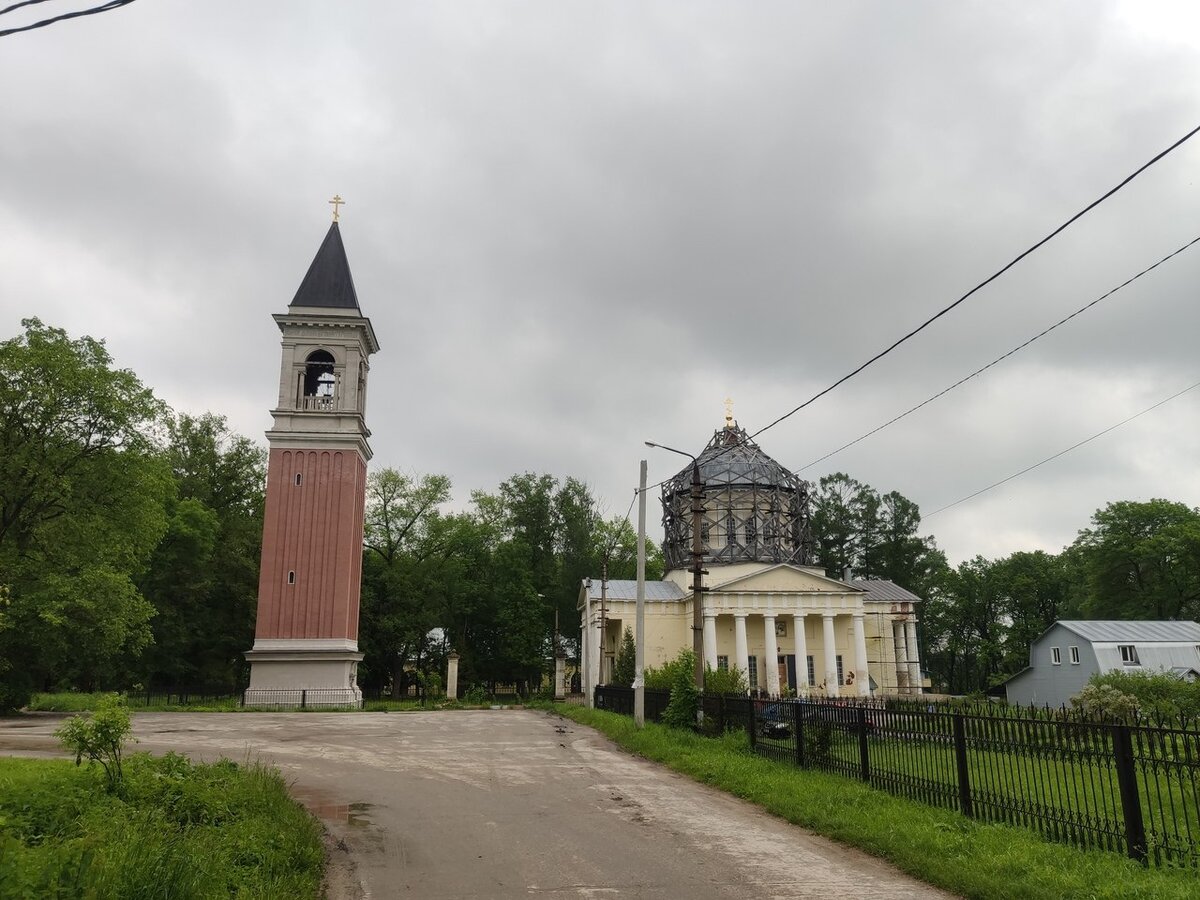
577 227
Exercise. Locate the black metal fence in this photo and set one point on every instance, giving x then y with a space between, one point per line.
1130 788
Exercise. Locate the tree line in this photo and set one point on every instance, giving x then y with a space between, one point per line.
130 538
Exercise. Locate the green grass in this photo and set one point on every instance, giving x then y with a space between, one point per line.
176 829
938 846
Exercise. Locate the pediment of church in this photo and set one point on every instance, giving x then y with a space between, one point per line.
781 578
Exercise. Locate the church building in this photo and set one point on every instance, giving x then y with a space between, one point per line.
765 609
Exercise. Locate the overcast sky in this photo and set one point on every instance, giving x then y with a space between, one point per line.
578 226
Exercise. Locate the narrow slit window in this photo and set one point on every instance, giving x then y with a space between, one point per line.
291 577
299 478
841 677
1055 656
1074 656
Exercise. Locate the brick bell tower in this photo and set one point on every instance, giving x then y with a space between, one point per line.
306 636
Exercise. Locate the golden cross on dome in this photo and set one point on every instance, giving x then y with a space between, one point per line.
728 412
336 201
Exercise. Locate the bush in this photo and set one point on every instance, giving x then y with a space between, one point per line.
1107 702
476 695
725 681
1157 694
685 699
664 679
626 664
100 737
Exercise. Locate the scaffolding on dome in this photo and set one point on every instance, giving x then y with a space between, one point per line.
755 510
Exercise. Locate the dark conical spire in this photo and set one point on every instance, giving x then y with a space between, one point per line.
328 282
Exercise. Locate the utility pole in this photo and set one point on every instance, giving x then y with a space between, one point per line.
697 576
697 498
603 613
639 657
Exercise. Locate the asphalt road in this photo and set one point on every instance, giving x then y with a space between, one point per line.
509 803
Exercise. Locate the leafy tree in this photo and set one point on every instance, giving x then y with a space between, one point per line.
626 664
406 577
203 577
1035 589
834 522
82 493
1142 561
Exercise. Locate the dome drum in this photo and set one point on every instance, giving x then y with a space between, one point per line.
754 510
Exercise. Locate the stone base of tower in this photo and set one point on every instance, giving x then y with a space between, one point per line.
306 673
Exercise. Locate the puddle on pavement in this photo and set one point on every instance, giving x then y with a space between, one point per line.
323 806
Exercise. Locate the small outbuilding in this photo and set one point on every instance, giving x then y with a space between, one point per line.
1068 653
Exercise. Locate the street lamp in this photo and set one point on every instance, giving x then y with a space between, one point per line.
697 563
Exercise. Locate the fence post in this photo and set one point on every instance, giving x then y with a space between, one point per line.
864 760
750 721
960 755
798 730
1131 807
303 699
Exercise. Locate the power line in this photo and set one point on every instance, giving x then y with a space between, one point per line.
1156 158
983 283
104 7
1003 356
1062 452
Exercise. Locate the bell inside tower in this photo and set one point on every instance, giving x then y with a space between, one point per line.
319 380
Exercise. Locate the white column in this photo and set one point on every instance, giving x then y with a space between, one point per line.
771 663
801 654
452 676
585 653
740 647
914 657
710 640
831 684
862 678
901 658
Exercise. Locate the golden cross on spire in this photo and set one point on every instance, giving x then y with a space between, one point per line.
336 201
728 412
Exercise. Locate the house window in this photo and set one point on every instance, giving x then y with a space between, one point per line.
722 663
1129 655
752 673
812 672
1074 656
291 577
841 680
1056 656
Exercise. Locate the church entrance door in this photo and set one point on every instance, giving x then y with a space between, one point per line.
787 670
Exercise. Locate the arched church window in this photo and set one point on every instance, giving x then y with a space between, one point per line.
705 529
730 530
751 531
318 374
